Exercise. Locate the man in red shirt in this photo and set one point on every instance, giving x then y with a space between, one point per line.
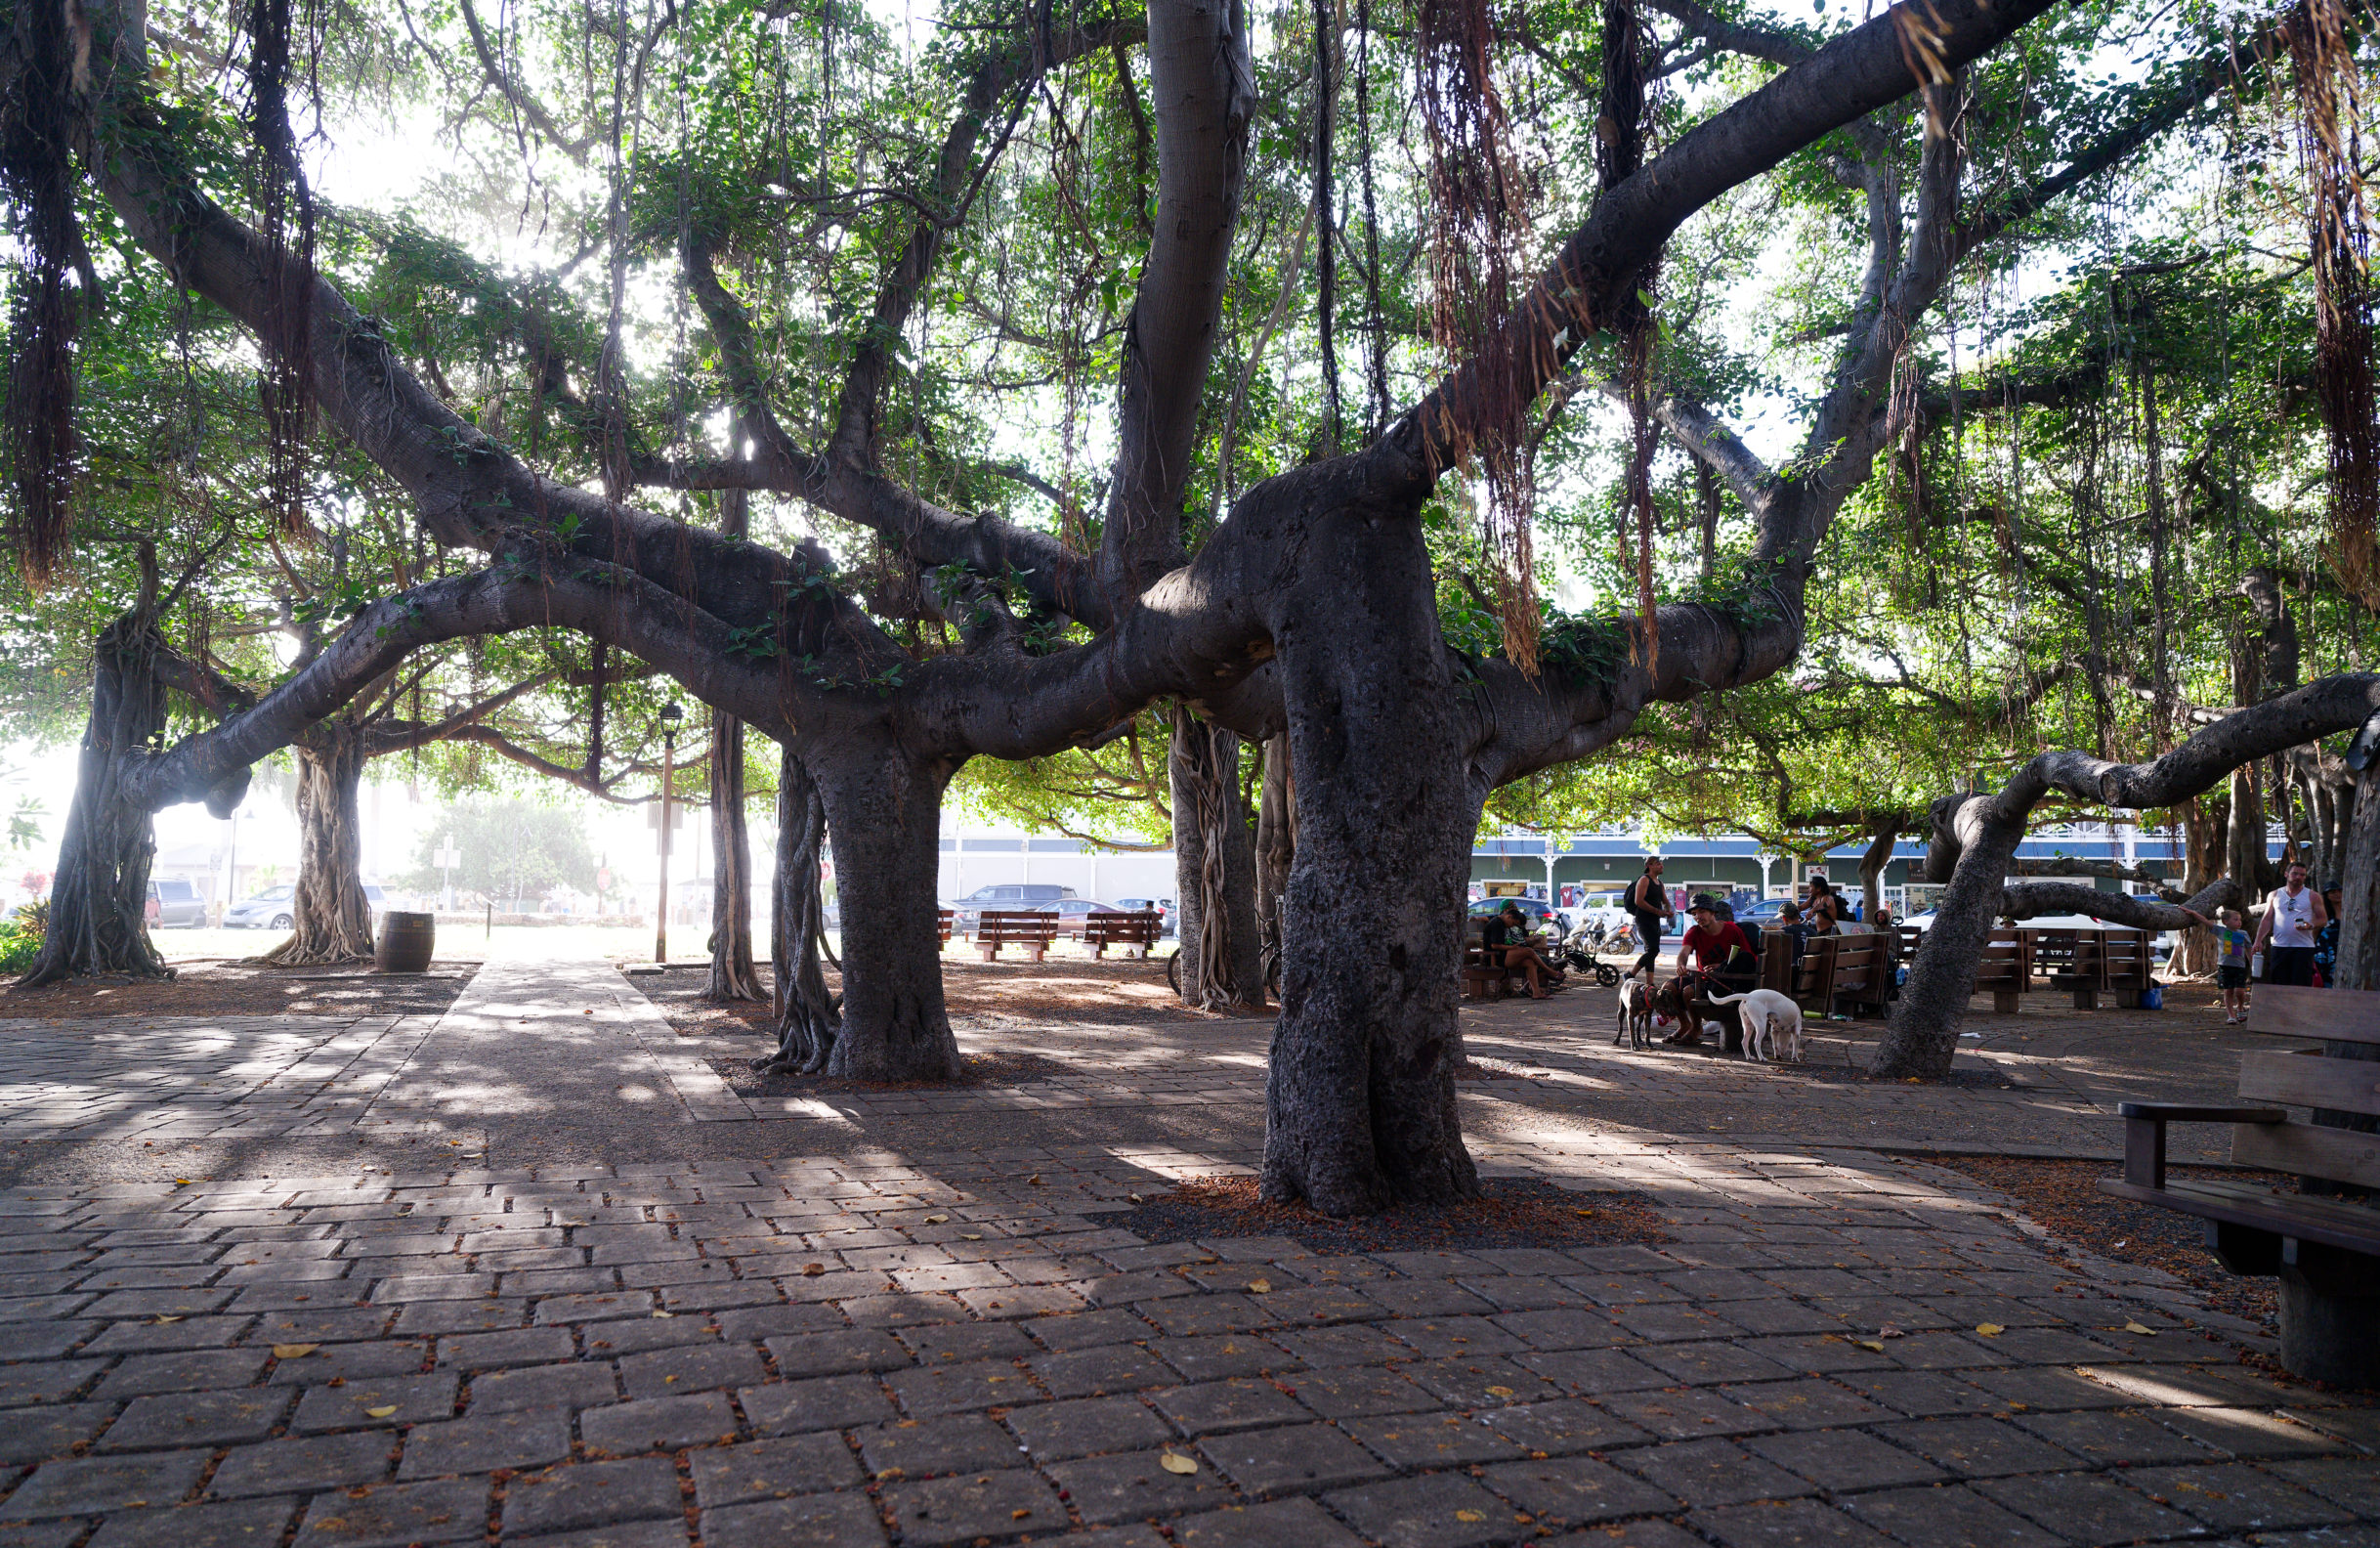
1721 955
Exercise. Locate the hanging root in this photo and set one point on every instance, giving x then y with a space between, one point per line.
37 178
1479 223
285 206
2329 146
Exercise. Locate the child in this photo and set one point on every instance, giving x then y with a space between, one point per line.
2232 969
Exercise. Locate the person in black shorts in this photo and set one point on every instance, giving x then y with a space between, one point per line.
1505 936
1648 902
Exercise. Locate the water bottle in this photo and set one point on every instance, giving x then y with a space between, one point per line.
2256 965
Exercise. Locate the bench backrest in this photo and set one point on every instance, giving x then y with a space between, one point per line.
2125 958
2007 963
944 918
1016 925
1138 928
2344 1023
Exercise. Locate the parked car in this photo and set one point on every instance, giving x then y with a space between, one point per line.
1072 912
1163 906
968 911
173 902
1540 914
275 908
1765 913
1603 908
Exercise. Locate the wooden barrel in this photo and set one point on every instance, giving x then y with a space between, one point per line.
405 940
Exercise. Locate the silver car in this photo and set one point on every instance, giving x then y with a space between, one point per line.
275 908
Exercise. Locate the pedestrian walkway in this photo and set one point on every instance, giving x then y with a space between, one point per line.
911 1336
560 1040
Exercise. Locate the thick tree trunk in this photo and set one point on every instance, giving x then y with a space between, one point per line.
808 1017
1975 841
1924 1032
1276 851
2204 823
885 806
1872 864
1360 1106
333 918
1215 861
99 894
732 973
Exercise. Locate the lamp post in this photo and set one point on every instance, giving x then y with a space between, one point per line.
671 714
446 859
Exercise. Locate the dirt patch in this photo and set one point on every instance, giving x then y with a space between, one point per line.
1511 1212
998 994
976 1069
2064 1199
220 988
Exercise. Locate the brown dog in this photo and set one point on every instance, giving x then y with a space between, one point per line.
1671 1000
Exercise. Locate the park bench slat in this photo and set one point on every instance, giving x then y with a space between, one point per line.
2317 1219
2343 1155
2304 1078
2334 1015
2325 1249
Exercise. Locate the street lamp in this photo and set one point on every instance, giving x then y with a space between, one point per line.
671 714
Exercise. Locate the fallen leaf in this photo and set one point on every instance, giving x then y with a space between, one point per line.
1034 1181
973 1236
813 1270
380 1413
1889 1331
161 1321
2135 1327
937 1220
1990 1329
1469 1515
1018 1515
1175 1462
1499 1391
1870 1344
293 1351
1260 1286
1134 1197
664 1314
181 1182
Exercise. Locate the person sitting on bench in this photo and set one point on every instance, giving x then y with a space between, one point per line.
1505 936
1722 958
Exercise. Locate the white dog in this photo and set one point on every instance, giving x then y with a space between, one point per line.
1764 1011
1636 1010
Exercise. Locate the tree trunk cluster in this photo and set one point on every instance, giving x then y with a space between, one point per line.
1307 620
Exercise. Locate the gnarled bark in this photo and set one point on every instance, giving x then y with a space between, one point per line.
883 806
1214 867
733 976
1276 850
808 1017
99 895
331 918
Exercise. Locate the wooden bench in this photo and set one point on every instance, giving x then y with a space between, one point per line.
1483 979
1027 927
2325 1249
946 917
1134 932
2005 970
1851 969
2090 962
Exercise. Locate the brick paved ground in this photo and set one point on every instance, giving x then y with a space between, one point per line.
906 1327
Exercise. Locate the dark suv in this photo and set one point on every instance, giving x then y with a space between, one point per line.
1003 895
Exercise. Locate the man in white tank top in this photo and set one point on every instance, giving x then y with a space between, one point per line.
2285 935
